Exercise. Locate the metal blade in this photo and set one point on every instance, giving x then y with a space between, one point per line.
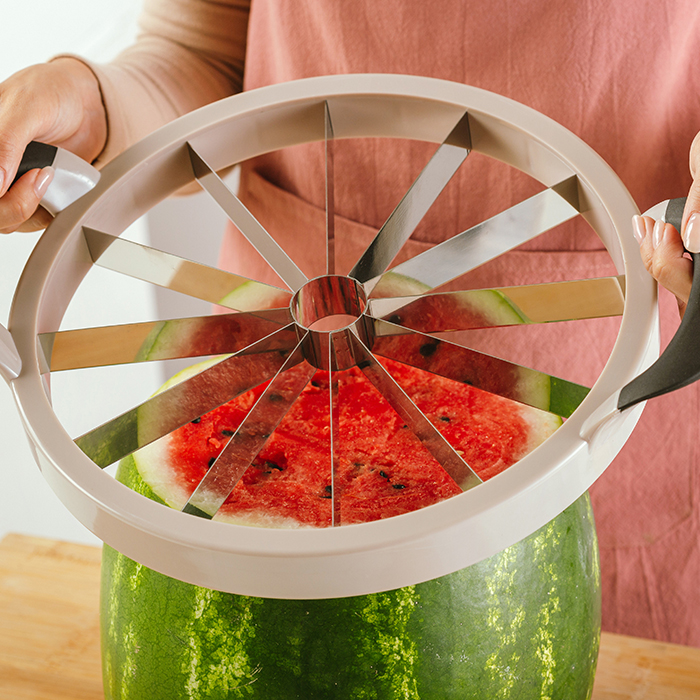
489 239
334 423
251 436
330 190
188 400
423 429
505 306
414 205
478 369
171 271
246 223
157 340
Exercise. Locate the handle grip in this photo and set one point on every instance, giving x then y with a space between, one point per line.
679 364
74 177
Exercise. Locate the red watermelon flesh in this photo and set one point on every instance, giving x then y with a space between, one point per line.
382 468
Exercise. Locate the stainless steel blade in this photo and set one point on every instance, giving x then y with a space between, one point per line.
157 340
414 205
431 438
478 369
534 303
330 190
334 424
251 436
188 400
171 271
246 223
487 240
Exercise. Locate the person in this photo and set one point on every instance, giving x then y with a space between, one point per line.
610 73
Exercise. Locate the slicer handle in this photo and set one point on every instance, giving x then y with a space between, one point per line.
679 364
74 177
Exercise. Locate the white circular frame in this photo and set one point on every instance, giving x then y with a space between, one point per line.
353 559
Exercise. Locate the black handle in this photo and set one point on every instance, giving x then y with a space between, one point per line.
679 365
36 155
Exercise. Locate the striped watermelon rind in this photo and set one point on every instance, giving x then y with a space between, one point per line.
524 623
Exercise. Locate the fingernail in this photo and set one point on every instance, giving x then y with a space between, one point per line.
638 228
691 235
43 180
657 233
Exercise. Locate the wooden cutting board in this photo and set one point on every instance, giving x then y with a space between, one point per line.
50 640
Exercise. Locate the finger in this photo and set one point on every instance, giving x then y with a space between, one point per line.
22 199
663 255
11 151
692 204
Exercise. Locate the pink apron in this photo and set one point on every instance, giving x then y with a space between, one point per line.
610 73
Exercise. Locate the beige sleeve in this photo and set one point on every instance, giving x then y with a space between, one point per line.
188 53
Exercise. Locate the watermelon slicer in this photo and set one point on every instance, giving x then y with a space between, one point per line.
332 322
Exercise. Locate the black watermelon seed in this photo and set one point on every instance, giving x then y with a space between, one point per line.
227 433
275 397
196 420
273 465
445 418
394 318
329 488
399 486
428 349
315 383
384 474
211 462
364 364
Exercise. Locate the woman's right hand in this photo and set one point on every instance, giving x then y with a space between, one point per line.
58 103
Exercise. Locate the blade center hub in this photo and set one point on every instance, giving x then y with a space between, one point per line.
328 308
328 303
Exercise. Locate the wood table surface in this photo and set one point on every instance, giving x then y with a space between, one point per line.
50 641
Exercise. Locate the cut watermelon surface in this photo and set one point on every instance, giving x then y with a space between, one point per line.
382 469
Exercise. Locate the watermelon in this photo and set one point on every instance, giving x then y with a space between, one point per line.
524 623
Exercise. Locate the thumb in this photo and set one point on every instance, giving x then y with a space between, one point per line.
690 227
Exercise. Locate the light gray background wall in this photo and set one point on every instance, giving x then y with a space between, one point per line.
32 32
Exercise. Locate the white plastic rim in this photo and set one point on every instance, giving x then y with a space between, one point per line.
353 559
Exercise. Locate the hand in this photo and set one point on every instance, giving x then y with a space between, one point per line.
663 248
58 103
663 256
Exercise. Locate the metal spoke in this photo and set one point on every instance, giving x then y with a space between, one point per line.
330 190
505 306
246 223
334 424
157 340
491 238
414 205
477 369
251 436
171 271
431 438
188 400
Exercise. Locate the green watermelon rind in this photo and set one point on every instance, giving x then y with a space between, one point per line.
524 623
